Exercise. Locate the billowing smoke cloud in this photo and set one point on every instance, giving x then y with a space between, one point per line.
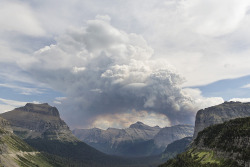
105 73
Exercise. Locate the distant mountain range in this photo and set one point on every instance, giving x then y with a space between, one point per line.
137 140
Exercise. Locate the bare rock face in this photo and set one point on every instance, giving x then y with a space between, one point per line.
38 121
169 134
219 114
5 125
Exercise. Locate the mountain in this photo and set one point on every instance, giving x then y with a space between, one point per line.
41 127
38 121
137 140
169 134
176 147
219 114
14 152
125 142
221 145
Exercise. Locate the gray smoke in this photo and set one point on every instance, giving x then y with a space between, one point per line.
104 72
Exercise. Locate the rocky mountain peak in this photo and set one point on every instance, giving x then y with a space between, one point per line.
169 134
38 121
139 125
44 109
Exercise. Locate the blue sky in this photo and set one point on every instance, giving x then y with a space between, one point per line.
112 63
227 88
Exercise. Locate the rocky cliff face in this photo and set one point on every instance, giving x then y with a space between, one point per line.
219 114
38 121
169 134
5 125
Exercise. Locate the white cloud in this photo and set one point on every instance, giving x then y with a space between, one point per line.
7 105
22 90
18 17
215 18
201 33
78 69
246 86
240 99
59 100
201 102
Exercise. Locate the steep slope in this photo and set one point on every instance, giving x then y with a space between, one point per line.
222 145
132 141
176 147
219 114
169 134
14 152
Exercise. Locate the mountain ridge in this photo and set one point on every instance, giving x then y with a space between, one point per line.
38 121
219 114
124 141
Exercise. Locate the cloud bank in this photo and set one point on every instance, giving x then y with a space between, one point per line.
108 73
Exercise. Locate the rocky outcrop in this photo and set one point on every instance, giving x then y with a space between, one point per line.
38 121
219 114
5 125
169 134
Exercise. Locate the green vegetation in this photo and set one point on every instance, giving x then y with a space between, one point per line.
14 143
231 136
199 159
230 139
176 147
29 160
79 154
14 151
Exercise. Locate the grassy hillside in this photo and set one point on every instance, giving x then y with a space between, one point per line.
15 152
222 145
